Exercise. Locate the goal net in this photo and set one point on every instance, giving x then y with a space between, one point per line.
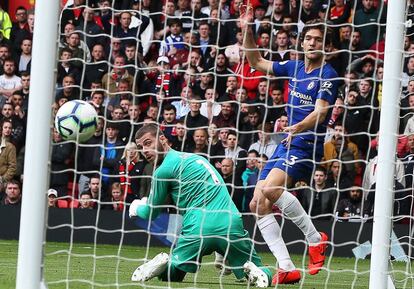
183 66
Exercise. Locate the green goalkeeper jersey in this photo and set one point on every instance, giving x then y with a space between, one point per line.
199 193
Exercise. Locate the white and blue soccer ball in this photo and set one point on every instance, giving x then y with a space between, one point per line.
76 120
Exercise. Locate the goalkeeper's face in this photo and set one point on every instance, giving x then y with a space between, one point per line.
153 147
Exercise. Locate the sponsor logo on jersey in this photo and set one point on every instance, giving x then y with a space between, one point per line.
303 98
326 86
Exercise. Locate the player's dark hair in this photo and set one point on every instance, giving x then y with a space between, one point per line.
151 128
319 25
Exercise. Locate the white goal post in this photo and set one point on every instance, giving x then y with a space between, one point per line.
384 199
36 166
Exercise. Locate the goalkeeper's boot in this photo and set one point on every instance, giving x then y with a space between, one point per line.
255 276
286 277
317 255
222 265
151 269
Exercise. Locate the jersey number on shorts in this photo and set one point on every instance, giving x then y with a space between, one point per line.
291 161
210 170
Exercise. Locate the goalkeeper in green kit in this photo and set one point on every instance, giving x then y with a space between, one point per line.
211 221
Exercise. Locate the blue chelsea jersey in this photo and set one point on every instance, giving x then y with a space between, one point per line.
304 90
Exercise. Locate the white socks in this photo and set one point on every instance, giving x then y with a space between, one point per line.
270 230
291 207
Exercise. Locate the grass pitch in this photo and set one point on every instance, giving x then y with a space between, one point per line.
109 266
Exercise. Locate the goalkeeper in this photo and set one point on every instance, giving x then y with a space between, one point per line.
211 221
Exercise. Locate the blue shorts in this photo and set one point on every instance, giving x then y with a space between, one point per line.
298 161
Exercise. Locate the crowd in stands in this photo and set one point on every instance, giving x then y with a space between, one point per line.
181 64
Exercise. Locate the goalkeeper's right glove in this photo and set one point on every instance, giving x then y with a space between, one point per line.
133 208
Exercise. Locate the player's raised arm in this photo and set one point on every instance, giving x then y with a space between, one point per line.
253 55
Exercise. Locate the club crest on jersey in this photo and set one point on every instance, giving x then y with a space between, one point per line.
311 85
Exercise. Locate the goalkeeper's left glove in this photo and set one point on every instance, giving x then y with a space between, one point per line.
133 208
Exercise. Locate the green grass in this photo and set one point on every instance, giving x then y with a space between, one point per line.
106 266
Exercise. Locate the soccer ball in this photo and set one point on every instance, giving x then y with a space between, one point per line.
76 120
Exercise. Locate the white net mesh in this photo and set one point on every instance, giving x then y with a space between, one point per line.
182 66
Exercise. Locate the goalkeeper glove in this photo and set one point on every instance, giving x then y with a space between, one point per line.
133 208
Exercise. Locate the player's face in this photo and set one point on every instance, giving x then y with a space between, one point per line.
313 44
150 146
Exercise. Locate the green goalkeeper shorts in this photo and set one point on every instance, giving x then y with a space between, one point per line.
237 249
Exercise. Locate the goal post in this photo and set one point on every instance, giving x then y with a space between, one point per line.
384 199
36 169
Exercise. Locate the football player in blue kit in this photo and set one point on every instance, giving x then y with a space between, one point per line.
312 92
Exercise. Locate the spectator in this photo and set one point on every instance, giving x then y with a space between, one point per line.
13 195
210 108
319 200
368 19
350 208
117 200
336 117
85 201
233 182
65 66
79 49
192 18
182 106
175 41
9 81
200 144
194 119
233 51
231 88
112 79
227 117
408 162
61 162
181 142
340 147
18 130
207 50
7 155
25 77
123 32
95 70
280 51
220 72
107 156
92 31
52 201
17 102
249 178
68 90
129 169
339 179
24 58
265 144
249 129
169 122
200 86
235 152
85 150
216 149
371 170
280 125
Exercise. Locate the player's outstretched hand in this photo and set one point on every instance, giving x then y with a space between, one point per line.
246 16
134 206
